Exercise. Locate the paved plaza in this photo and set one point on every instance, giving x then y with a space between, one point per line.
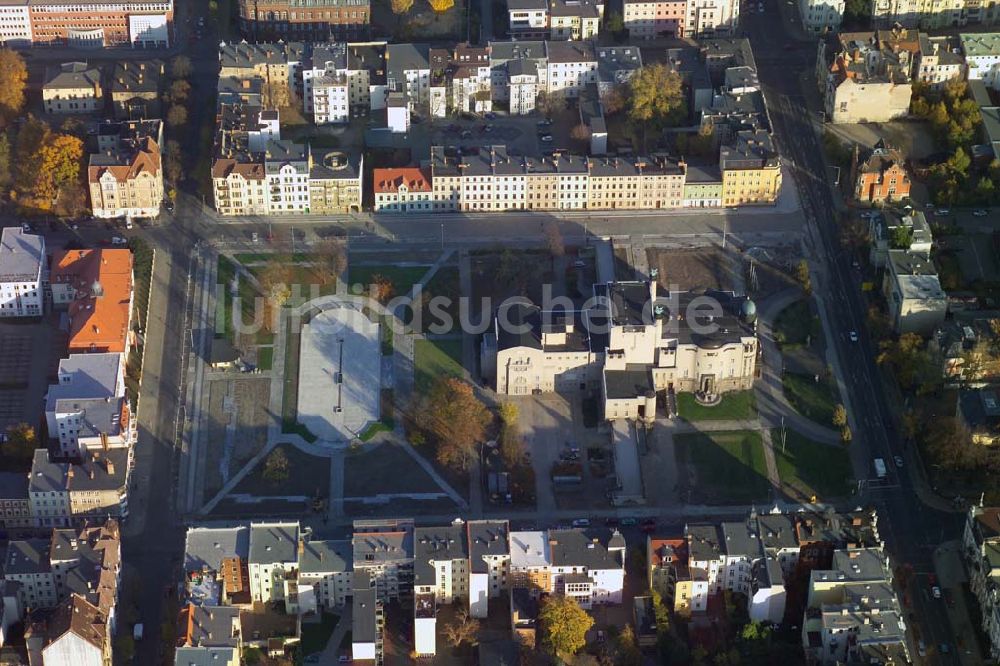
339 372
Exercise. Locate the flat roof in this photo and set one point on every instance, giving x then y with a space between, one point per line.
273 542
22 255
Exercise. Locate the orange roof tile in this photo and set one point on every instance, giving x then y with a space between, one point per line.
389 180
102 279
145 159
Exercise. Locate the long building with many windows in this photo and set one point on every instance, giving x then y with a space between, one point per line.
88 23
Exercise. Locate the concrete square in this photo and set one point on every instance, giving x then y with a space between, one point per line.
339 373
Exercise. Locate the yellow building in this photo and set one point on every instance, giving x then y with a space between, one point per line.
751 169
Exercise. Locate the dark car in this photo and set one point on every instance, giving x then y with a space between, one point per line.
647 526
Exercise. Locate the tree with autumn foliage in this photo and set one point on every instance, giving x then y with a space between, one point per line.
564 625
13 78
381 289
49 164
441 5
275 283
21 442
656 96
400 7
454 420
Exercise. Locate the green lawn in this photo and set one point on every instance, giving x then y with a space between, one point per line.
796 324
315 636
375 428
402 277
434 358
265 357
735 406
810 468
729 465
814 400
445 283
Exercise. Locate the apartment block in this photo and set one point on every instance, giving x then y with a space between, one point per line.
273 562
530 562
72 88
917 302
588 566
404 190
274 64
327 567
383 550
112 23
707 18
518 72
751 169
649 19
684 589
981 548
982 57
489 563
15 509
939 61
821 16
852 610
571 66
934 14
87 410
127 181
575 19
77 634
441 562
867 77
528 19
66 493
460 81
313 21
23 273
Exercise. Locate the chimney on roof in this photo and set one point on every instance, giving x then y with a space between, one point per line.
110 466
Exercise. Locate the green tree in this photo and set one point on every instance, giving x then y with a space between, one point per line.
656 96
564 625
614 23
802 276
124 647
21 442
908 359
276 467
839 416
180 67
857 12
13 78
625 650
902 236
6 177
455 418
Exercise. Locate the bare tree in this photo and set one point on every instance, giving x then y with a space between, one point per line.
463 630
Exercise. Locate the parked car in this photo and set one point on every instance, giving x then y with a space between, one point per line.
980 212
647 526
629 522
119 240
853 335
491 116
581 522
545 138
544 122
942 212
936 592
466 134
898 460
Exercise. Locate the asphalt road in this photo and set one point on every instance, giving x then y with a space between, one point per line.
909 526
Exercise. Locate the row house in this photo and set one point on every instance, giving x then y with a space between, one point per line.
489 563
87 409
94 486
939 61
441 562
408 73
23 273
326 573
518 73
707 18
326 95
126 181
751 169
147 24
404 190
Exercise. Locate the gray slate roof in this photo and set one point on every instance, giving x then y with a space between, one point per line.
583 548
27 557
486 538
436 544
203 656
273 542
207 546
21 255
327 557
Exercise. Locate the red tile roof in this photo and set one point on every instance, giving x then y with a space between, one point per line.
389 180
